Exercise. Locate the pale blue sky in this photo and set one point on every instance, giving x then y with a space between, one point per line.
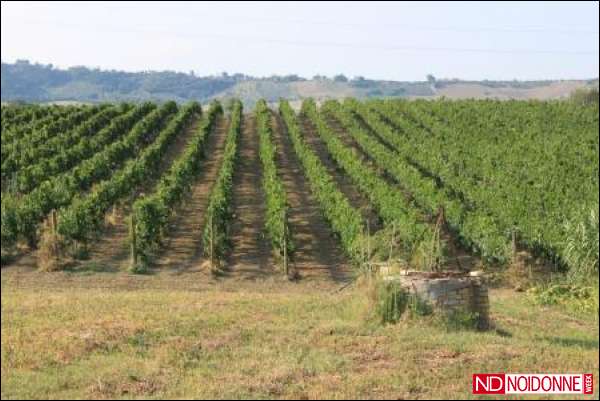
400 41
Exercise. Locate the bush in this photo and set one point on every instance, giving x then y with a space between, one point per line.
585 96
418 307
581 247
577 298
6 259
391 302
459 320
139 269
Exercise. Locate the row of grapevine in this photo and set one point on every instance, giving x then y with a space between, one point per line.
19 116
475 230
390 204
218 213
34 156
549 177
20 151
345 220
32 122
151 213
550 143
94 137
518 189
85 216
21 216
277 212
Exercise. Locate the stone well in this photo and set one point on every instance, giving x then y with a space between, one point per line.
449 291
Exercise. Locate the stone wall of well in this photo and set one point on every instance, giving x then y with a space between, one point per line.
468 293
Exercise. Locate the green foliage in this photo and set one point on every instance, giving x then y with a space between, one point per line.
418 307
27 148
218 213
139 269
579 298
458 320
18 122
391 301
494 168
581 247
36 82
10 223
277 210
340 78
66 150
511 166
16 116
152 213
345 220
389 203
585 97
85 216
6 259
476 230
429 255
60 190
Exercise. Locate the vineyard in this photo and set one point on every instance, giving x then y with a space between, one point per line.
214 251
322 192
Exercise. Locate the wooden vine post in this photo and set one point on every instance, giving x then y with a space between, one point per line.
369 242
392 244
133 235
368 265
12 183
285 245
514 247
435 242
54 231
211 242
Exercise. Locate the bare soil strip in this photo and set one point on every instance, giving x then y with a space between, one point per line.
111 251
343 182
183 247
318 254
250 256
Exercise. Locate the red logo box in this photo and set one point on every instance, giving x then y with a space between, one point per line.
485 383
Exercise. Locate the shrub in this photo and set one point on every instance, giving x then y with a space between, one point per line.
139 269
585 96
456 320
418 307
391 302
581 247
577 298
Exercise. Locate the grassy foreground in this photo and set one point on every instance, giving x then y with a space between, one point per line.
265 340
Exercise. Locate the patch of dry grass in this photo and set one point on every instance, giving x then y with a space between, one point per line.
264 341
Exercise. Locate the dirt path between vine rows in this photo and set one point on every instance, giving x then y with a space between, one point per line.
318 254
111 251
250 256
183 248
343 182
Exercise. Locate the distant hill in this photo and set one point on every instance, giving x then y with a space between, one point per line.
32 82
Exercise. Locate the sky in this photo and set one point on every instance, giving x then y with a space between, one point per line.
402 41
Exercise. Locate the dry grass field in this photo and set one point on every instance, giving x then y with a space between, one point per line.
105 335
